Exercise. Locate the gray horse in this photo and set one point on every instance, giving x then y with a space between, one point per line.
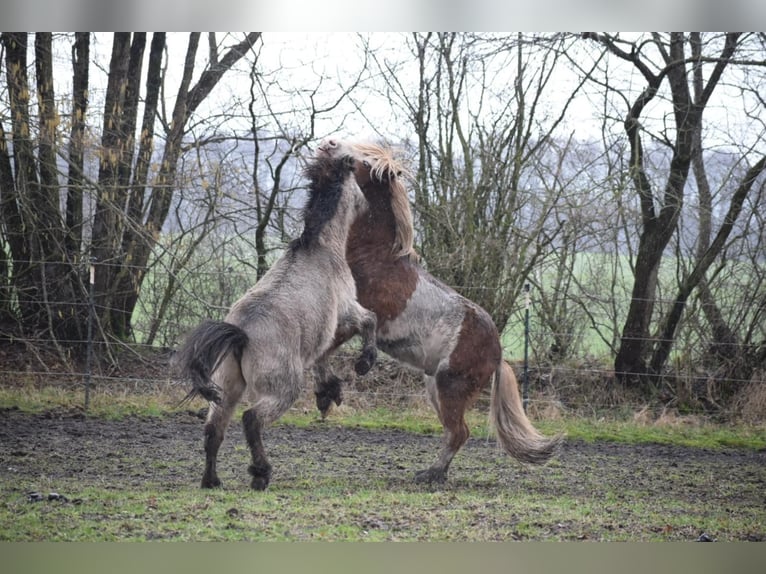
283 324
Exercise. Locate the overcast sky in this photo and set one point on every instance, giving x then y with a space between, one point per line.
336 15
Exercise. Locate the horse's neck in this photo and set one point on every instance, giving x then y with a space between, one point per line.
372 237
334 237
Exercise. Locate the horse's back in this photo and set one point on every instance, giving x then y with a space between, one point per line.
292 312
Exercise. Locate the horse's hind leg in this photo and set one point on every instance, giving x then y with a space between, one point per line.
260 468
450 402
218 418
266 410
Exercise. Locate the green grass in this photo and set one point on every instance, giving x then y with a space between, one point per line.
553 502
295 513
111 404
698 435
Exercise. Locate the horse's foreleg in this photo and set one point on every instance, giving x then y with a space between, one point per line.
327 386
367 326
433 395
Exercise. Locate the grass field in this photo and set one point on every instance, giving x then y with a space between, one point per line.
129 472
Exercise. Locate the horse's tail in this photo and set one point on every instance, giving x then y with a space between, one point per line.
202 353
514 430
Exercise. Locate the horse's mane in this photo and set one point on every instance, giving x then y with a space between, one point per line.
387 167
326 179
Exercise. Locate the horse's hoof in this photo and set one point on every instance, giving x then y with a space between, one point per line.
330 393
365 362
431 476
323 404
210 482
261 476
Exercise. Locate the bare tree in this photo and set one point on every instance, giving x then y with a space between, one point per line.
663 63
237 203
46 245
484 218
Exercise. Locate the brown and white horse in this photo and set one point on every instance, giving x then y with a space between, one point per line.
283 324
423 322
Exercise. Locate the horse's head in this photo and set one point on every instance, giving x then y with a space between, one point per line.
380 176
375 164
333 194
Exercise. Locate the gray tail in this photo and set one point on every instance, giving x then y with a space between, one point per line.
202 353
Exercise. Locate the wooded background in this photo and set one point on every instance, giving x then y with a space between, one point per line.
620 176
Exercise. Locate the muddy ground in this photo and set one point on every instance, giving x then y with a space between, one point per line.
37 450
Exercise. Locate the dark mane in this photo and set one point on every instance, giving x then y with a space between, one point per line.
326 177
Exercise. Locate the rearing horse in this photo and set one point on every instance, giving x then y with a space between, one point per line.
423 322
283 324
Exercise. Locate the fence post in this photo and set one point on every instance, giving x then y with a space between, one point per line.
525 385
89 342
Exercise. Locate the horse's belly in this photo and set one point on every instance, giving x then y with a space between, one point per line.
423 347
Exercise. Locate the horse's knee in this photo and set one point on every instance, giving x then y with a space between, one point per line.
460 434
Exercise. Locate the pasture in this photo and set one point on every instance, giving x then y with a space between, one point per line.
134 477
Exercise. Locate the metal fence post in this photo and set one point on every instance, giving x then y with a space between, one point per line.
525 386
89 342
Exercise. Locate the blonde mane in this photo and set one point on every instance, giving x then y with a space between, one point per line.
386 166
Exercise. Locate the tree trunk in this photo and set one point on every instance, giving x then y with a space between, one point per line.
119 320
130 276
666 339
15 202
104 243
7 214
75 179
659 218
161 196
724 340
58 278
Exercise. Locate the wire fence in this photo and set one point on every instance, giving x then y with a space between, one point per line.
543 382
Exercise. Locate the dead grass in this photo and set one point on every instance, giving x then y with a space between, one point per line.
576 389
750 403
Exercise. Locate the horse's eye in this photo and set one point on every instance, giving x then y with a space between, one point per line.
366 164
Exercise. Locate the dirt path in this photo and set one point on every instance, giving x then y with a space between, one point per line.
166 452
